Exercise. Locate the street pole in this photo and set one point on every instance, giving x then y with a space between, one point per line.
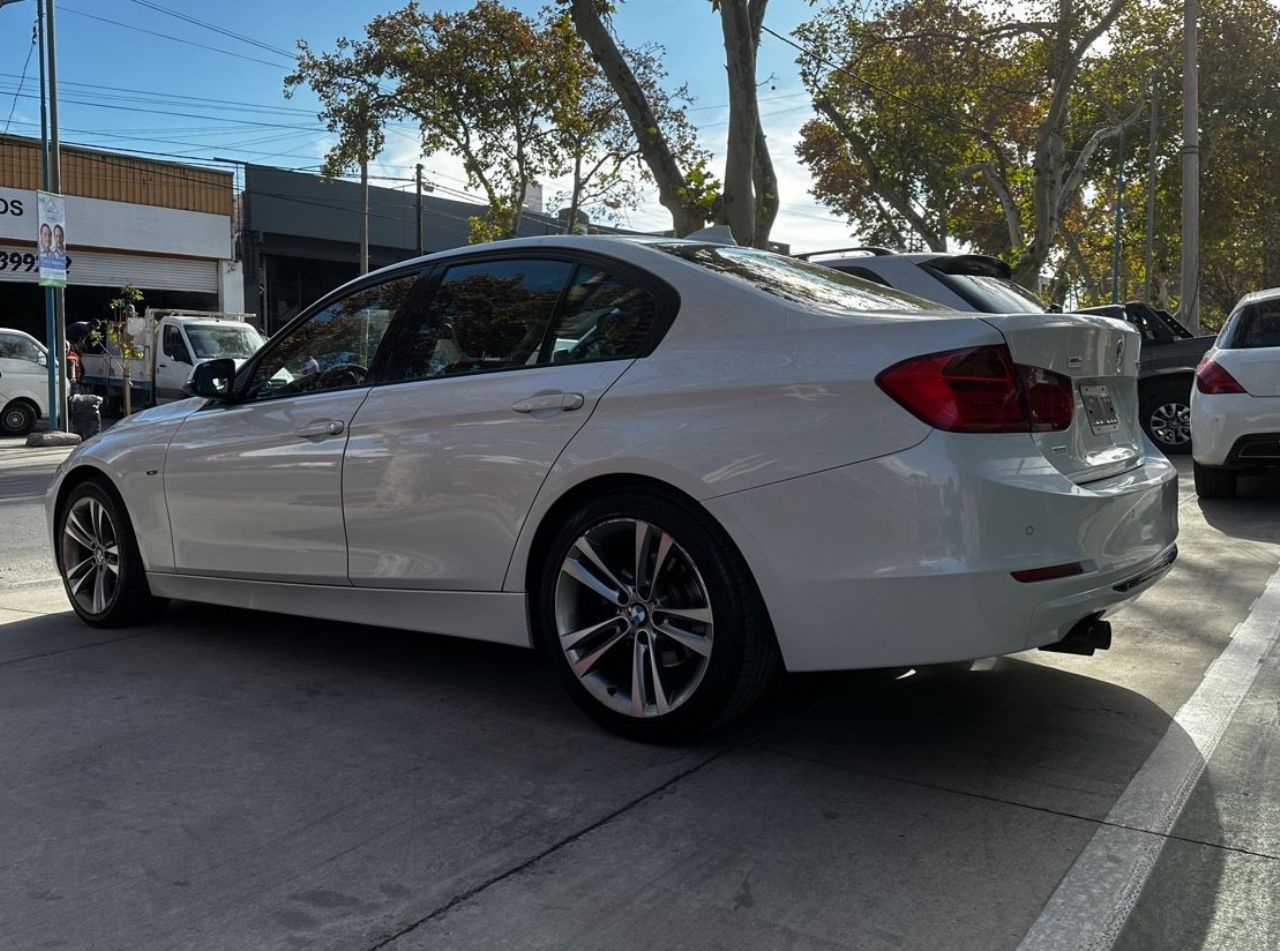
50 320
1189 307
418 177
55 185
364 215
1148 251
1115 239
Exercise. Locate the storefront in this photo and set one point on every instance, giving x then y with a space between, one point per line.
161 227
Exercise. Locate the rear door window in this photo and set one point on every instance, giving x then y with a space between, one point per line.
483 316
604 317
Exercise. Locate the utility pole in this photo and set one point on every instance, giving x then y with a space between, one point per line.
420 245
1189 307
1115 239
1148 251
364 215
55 185
50 311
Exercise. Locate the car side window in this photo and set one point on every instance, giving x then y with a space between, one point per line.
604 317
174 346
13 347
334 347
487 315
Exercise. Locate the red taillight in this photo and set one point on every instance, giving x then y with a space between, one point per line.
1070 569
1213 380
980 390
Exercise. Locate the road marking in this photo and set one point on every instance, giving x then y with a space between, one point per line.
1094 899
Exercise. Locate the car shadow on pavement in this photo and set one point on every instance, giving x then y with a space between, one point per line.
473 749
1255 512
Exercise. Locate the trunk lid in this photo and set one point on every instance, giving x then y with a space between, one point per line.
1100 356
1257 369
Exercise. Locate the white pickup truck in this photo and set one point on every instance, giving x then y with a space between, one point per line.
165 347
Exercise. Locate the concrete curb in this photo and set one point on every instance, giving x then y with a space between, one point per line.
42 440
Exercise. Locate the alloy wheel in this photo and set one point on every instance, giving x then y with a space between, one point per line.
1171 423
15 419
633 617
90 554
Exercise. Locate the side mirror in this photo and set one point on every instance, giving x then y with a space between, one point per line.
42 360
212 380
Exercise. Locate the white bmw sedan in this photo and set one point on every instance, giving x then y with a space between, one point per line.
1235 405
671 465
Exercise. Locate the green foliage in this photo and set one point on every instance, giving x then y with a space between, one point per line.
480 84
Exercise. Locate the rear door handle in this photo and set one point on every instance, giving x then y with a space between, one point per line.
321 427
564 401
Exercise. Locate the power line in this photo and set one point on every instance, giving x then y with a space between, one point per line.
166 112
168 36
163 97
23 78
214 27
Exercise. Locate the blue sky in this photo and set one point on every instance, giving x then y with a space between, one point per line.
236 108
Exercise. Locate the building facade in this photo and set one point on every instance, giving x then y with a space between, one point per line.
163 227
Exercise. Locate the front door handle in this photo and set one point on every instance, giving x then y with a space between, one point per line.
544 401
321 427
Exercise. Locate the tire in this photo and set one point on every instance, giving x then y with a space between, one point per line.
1164 406
717 665
99 562
1214 482
18 418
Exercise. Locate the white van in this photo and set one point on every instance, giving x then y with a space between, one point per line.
24 393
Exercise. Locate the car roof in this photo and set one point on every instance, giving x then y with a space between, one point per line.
1254 297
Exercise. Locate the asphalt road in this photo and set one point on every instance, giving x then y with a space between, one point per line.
224 779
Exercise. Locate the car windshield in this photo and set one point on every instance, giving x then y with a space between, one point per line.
1257 326
211 342
810 284
992 295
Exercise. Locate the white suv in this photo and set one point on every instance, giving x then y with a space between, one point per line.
1235 407
23 382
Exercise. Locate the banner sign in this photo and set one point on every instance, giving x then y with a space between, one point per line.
51 243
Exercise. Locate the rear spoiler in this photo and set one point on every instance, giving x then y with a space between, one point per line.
962 265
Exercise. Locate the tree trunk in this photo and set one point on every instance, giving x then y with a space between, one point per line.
766 187
654 149
739 208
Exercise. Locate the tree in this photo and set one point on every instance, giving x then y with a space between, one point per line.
480 84
749 200
602 155
960 114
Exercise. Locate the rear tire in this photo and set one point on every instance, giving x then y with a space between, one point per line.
17 418
1215 482
686 614
1164 407
99 561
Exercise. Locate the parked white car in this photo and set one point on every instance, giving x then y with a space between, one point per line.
24 386
670 464
1235 407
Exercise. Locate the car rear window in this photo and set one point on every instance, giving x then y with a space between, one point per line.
1257 326
813 285
989 294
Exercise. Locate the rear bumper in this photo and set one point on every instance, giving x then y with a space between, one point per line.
1225 428
907 559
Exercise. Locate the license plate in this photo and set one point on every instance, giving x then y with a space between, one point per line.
1100 409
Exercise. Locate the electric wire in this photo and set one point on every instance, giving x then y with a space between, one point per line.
23 78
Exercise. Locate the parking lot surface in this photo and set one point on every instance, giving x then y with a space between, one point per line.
225 779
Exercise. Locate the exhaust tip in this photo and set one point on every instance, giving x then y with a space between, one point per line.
1086 636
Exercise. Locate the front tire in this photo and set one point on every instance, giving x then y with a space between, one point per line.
651 618
99 561
1214 482
17 419
1165 410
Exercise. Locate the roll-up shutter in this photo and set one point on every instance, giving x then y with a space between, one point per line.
98 269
